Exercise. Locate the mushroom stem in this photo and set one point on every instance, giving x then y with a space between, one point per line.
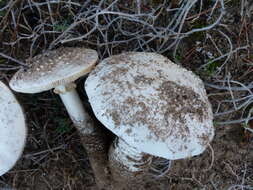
73 105
129 157
128 163
92 138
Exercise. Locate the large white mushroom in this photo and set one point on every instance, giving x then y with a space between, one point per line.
154 106
13 129
58 69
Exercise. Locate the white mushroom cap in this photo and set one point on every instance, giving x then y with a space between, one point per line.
54 68
153 104
12 130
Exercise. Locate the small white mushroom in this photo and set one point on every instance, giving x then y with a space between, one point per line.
60 77
66 65
13 129
154 106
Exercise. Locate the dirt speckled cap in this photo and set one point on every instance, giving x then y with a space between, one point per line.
12 129
54 68
153 104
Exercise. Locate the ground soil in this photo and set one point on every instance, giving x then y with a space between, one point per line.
55 159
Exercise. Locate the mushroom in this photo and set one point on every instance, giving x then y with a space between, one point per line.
58 69
154 106
13 129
